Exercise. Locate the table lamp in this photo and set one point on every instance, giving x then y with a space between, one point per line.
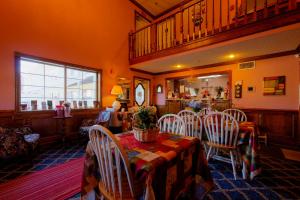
116 90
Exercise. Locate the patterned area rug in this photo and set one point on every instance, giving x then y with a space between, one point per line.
280 178
59 182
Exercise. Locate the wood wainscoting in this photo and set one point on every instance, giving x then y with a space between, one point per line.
282 125
52 130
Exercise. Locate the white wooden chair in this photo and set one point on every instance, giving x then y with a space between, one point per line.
222 132
237 114
193 123
116 178
171 123
204 111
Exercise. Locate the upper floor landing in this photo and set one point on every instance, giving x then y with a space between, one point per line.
201 23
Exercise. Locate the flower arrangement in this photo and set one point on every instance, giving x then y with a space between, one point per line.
145 124
145 118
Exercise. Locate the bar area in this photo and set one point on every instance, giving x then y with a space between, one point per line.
210 91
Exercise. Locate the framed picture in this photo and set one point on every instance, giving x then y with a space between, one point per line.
34 105
80 104
274 85
44 105
85 105
238 89
49 104
159 89
75 105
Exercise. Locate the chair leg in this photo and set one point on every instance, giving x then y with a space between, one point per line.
208 154
233 164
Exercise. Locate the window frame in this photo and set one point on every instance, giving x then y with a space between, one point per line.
66 65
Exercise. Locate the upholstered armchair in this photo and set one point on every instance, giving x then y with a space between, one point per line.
102 119
17 142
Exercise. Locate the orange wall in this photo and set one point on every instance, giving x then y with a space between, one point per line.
91 33
287 66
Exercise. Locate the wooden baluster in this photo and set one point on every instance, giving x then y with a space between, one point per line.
153 38
220 17
236 12
166 32
147 41
143 42
181 28
255 10
171 32
134 45
174 29
206 22
188 25
194 22
201 20
137 44
245 11
266 9
213 17
162 35
228 15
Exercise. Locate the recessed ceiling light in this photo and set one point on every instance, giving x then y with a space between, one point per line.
231 56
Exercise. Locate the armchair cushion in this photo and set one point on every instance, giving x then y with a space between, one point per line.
12 143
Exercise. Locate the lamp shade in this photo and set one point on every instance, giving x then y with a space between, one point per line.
116 90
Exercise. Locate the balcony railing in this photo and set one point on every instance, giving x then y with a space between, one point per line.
199 20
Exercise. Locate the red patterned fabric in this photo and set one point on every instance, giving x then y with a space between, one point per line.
169 161
248 147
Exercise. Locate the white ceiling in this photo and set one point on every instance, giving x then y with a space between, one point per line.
279 40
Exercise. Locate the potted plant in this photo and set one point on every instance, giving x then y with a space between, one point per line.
145 124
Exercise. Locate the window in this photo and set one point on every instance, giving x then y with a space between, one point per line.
43 85
141 91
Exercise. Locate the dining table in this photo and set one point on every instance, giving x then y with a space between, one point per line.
165 168
248 148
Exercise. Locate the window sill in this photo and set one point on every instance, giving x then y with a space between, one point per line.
53 111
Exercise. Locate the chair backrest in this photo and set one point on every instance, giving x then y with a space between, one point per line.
112 161
204 111
221 129
237 114
193 123
172 124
